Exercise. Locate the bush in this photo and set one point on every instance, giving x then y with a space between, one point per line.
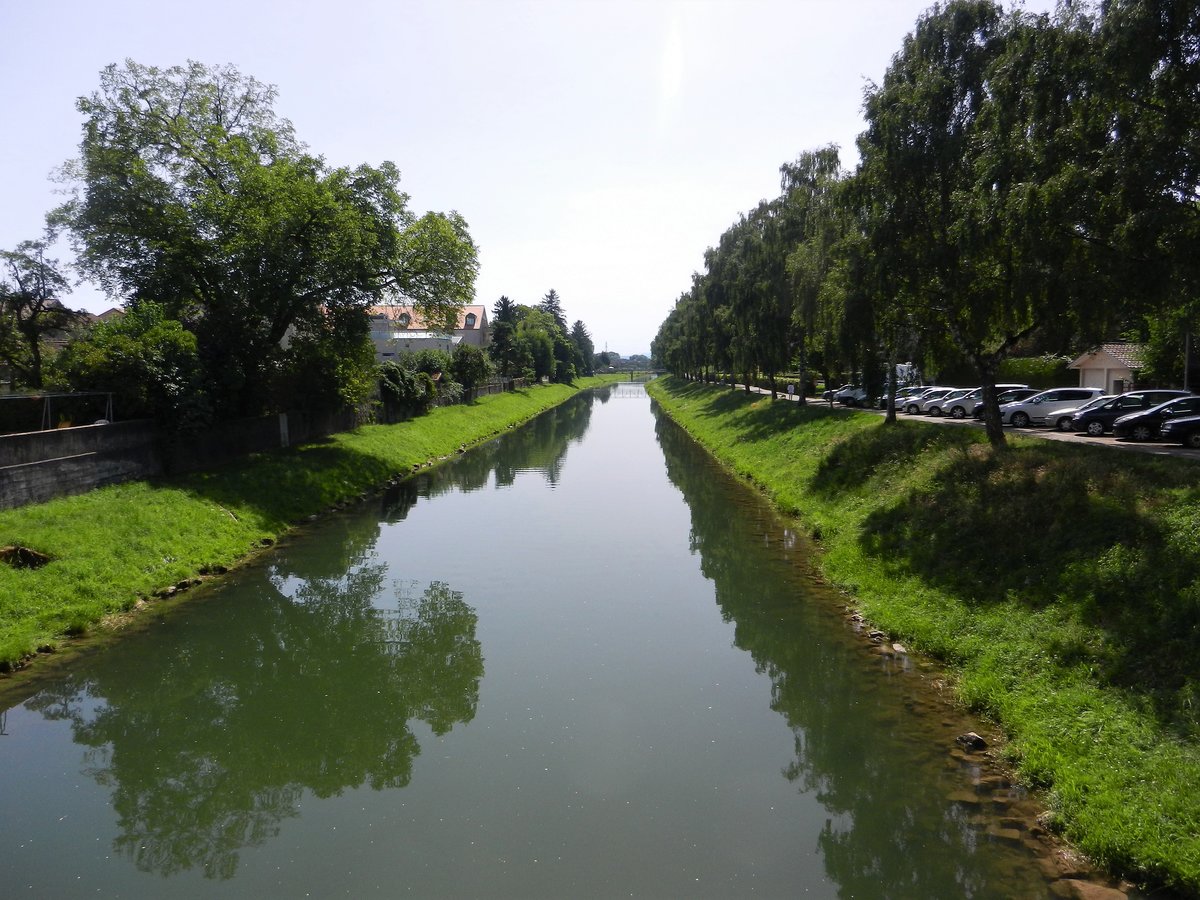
147 361
470 366
404 391
1038 371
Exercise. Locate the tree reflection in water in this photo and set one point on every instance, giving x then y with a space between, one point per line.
210 737
871 763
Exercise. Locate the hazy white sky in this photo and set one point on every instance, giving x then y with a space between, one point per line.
596 147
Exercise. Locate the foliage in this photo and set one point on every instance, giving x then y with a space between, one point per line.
1026 182
191 192
1037 371
407 390
30 309
149 362
503 349
470 366
431 362
584 349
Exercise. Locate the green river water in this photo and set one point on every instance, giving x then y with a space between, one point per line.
578 661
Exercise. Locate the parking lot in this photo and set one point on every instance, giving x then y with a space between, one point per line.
1153 448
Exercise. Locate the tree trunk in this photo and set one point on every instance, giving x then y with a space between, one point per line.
890 417
991 414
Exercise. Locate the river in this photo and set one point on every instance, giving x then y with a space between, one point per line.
577 661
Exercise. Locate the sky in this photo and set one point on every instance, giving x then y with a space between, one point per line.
596 147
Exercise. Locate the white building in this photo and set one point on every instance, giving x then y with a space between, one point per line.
399 329
1111 367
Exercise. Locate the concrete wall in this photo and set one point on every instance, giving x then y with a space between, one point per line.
42 465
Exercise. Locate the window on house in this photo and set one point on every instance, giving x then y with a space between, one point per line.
470 321
404 319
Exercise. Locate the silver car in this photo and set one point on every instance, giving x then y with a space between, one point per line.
1042 408
916 405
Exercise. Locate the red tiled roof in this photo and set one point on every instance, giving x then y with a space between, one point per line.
1127 354
394 311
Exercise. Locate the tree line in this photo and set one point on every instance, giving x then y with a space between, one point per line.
1025 182
527 342
245 263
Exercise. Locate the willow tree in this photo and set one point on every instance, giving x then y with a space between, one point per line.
951 157
812 223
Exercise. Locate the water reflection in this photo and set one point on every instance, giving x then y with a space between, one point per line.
539 446
890 831
210 742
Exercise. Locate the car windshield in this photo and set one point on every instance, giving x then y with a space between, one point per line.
1102 400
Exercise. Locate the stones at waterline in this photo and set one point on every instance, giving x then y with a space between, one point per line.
1086 890
1008 835
971 741
967 798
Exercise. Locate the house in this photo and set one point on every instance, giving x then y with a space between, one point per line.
1111 367
400 329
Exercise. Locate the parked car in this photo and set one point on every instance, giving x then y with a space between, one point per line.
1185 430
832 392
1064 417
1146 425
920 404
942 403
959 407
1099 419
902 394
1040 408
1010 395
851 395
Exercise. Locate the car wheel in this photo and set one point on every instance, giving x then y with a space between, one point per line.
912 409
935 410
1141 433
1192 440
1095 429
958 412
1064 424
1020 419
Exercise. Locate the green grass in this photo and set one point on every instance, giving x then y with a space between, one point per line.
1060 582
114 546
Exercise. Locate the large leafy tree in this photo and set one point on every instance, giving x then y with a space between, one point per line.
951 167
1138 151
30 309
191 192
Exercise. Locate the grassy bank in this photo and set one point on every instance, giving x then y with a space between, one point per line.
1060 582
112 547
